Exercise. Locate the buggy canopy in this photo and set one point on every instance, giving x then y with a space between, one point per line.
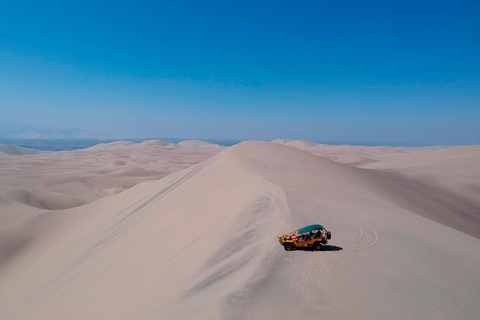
310 228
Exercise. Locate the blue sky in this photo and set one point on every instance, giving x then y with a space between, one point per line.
364 72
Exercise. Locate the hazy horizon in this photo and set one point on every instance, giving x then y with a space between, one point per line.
68 144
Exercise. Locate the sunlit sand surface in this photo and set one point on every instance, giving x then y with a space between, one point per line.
189 231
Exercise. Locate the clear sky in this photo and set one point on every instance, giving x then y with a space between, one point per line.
372 72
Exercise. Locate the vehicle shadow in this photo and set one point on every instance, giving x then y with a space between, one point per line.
331 248
326 247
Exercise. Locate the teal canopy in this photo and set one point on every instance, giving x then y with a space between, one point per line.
310 228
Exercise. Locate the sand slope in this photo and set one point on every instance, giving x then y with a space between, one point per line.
201 244
442 185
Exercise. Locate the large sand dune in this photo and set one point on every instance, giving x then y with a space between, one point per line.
354 155
59 180
201 243
7 149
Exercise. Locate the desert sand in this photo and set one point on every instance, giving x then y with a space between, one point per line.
133 236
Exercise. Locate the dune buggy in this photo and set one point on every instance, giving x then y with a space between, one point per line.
313 236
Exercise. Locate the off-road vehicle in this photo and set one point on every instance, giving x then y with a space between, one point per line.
313 236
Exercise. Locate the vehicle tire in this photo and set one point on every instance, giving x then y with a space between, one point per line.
288 247
329 235
317 246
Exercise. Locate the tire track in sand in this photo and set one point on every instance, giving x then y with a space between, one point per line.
373 242
361 233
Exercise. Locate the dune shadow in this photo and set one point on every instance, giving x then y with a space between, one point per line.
324 248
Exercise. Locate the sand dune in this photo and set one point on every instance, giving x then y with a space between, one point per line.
354 155
109 145
44 200
58 180
86 174
198 144
7 149
157 143
448 178
201 244
299 144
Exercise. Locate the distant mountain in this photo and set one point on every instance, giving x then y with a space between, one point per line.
56 134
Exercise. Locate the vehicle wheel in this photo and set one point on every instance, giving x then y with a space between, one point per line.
329 235
317 246
288 247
